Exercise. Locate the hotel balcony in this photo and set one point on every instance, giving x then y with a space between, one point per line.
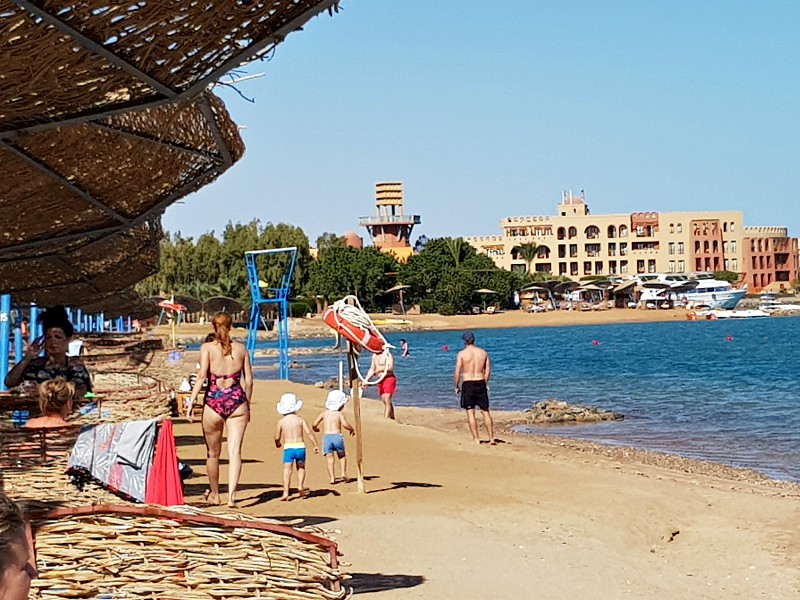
390 220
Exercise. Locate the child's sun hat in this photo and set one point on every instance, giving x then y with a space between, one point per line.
336 400
288 404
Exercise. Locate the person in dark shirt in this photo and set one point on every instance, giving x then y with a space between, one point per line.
58 332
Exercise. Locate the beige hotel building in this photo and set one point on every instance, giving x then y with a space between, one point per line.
575 243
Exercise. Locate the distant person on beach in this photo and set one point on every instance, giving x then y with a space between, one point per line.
226 364
17 569
403 348
55 403
383 365
58 332
333 421
473 370
291 433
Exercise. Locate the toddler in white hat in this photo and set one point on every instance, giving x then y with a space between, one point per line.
291 432
333 421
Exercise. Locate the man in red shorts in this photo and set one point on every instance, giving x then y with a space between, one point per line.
384 363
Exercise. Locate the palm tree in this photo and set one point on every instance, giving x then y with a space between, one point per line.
456 248
527 252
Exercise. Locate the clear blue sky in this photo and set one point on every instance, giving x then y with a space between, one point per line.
487 110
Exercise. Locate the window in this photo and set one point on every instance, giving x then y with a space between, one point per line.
725 248
612 231
573 250
612 249
725 227
640 266
572 232
734 264
726 262
679 228
651 265
672 266
671 247
623 266
733 246
623 248
733 227
623 231
672 228
680 247
681 266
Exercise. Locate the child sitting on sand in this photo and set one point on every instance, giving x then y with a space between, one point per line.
55 403
333 422
291 431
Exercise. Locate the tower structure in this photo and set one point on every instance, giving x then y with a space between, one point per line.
390 229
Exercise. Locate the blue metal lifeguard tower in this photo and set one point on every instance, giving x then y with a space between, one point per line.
262 293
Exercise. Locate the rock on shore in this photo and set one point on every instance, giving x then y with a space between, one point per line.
557 411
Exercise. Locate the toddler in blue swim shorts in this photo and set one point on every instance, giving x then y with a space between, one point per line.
333 421
291 433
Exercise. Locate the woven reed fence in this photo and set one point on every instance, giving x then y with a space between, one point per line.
148 552
48 486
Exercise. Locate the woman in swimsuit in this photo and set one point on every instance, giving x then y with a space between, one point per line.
226 364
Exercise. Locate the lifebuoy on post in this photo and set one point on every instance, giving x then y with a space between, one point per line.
352 323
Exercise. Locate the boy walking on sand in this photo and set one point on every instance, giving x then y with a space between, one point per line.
291 432
333 421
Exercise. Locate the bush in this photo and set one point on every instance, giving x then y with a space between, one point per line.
300 308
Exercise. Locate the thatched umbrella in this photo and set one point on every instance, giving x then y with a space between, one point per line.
82 204
105 121
224 304
68 63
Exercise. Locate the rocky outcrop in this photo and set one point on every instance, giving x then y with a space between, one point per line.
557 411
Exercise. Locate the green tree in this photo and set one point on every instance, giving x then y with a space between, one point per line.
330 240
527 252
728 276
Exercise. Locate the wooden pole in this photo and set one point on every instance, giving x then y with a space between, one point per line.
355 386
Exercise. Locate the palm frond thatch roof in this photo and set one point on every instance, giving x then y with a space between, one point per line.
68 61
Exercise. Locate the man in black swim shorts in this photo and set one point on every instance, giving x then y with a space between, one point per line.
472 373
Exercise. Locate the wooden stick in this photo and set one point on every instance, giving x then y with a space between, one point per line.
355 386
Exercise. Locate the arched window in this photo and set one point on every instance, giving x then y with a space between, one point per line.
623 231
672 227
612 231
543 252
715 246
705 247
725 227
562 233
572 232
679 228
592 232
697 247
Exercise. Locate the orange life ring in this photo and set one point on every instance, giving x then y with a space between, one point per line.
368 338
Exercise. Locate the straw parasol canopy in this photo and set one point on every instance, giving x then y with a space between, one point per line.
105 120
222 304
193 305
70 62
82 203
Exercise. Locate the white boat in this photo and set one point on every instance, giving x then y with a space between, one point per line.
769 302
750 313
698 289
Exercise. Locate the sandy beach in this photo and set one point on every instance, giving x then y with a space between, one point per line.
531 517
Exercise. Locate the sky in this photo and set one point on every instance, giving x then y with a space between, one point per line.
488 110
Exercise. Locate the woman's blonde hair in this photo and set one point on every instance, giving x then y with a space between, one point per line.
12 529
55 396
222 328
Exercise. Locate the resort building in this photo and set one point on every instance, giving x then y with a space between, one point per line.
575 243
390 229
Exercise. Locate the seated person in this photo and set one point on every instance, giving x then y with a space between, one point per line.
55 403
57 333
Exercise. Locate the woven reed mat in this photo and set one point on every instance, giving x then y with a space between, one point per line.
49 486
187 554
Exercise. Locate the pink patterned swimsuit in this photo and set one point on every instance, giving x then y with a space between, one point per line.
225 401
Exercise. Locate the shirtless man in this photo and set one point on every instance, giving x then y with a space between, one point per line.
388 385
472 372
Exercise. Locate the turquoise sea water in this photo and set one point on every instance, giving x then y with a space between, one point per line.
725 391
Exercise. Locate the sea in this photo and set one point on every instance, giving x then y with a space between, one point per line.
725 390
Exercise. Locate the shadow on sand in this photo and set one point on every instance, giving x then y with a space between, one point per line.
397 485
363 583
